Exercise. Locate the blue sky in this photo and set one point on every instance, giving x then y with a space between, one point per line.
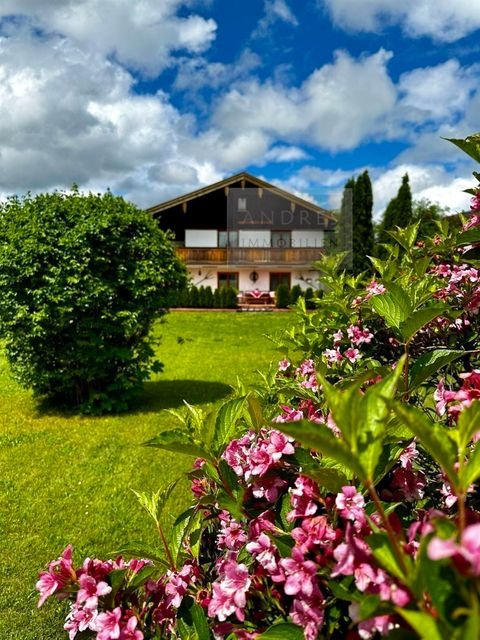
155 98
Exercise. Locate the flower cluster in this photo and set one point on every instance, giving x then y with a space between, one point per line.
350 506
452 402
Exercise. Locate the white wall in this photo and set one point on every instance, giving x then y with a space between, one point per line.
305 274
262 283
254 239
201 238
307 239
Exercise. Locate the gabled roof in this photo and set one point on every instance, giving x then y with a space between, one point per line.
238 178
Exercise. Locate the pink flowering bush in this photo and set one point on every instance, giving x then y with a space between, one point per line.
341 499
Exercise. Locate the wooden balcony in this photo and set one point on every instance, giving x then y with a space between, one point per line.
250 256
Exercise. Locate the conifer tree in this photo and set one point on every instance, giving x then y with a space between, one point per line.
362 223
399 211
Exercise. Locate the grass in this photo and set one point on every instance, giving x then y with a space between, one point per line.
66 478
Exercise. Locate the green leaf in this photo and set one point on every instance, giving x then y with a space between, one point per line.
406 237
344 405
192 623
469 423
322 440
383 552
409 327
282 631
183 527
179 441
141 577
394 306
433 437
470 472
431 362
232 504
423 623
226 424
330 478
255 411
470 145
138 550
372 416
154 503
437 580
471 236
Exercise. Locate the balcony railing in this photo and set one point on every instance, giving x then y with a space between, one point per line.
250 256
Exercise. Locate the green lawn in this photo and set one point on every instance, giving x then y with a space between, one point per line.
66 478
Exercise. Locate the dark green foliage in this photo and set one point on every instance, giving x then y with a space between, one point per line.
295 293
201 297
399 212
194 298
230 298
208 297
282 296
309 298
427 213
217 299
82 278
362 223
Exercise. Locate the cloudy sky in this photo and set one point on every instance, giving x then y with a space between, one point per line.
154 98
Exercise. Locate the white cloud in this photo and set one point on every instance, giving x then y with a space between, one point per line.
274 10
440 92
283 153
441 20
142 34
196 73
333 108
432 182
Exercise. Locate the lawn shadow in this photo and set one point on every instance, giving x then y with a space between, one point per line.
156 395
170 394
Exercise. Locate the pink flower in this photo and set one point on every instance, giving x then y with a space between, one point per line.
284 365
308 613
269 487
333 355
337 337
350 554
352 354
90 591
80 619
130 631
60 573
108 624
306 368
473 220
407 484
350 504
358 335
299 574
468 550
302 498
289 415
375 289
229 594
231 536
314 534
279 445
264 552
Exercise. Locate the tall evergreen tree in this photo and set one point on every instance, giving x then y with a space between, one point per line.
399 211
362 223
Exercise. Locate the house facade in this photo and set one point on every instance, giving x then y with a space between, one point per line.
246 233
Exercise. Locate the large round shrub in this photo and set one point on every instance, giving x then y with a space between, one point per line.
82 278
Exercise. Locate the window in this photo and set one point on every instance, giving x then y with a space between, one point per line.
242 204
277 279
281 239
227 239
228 279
